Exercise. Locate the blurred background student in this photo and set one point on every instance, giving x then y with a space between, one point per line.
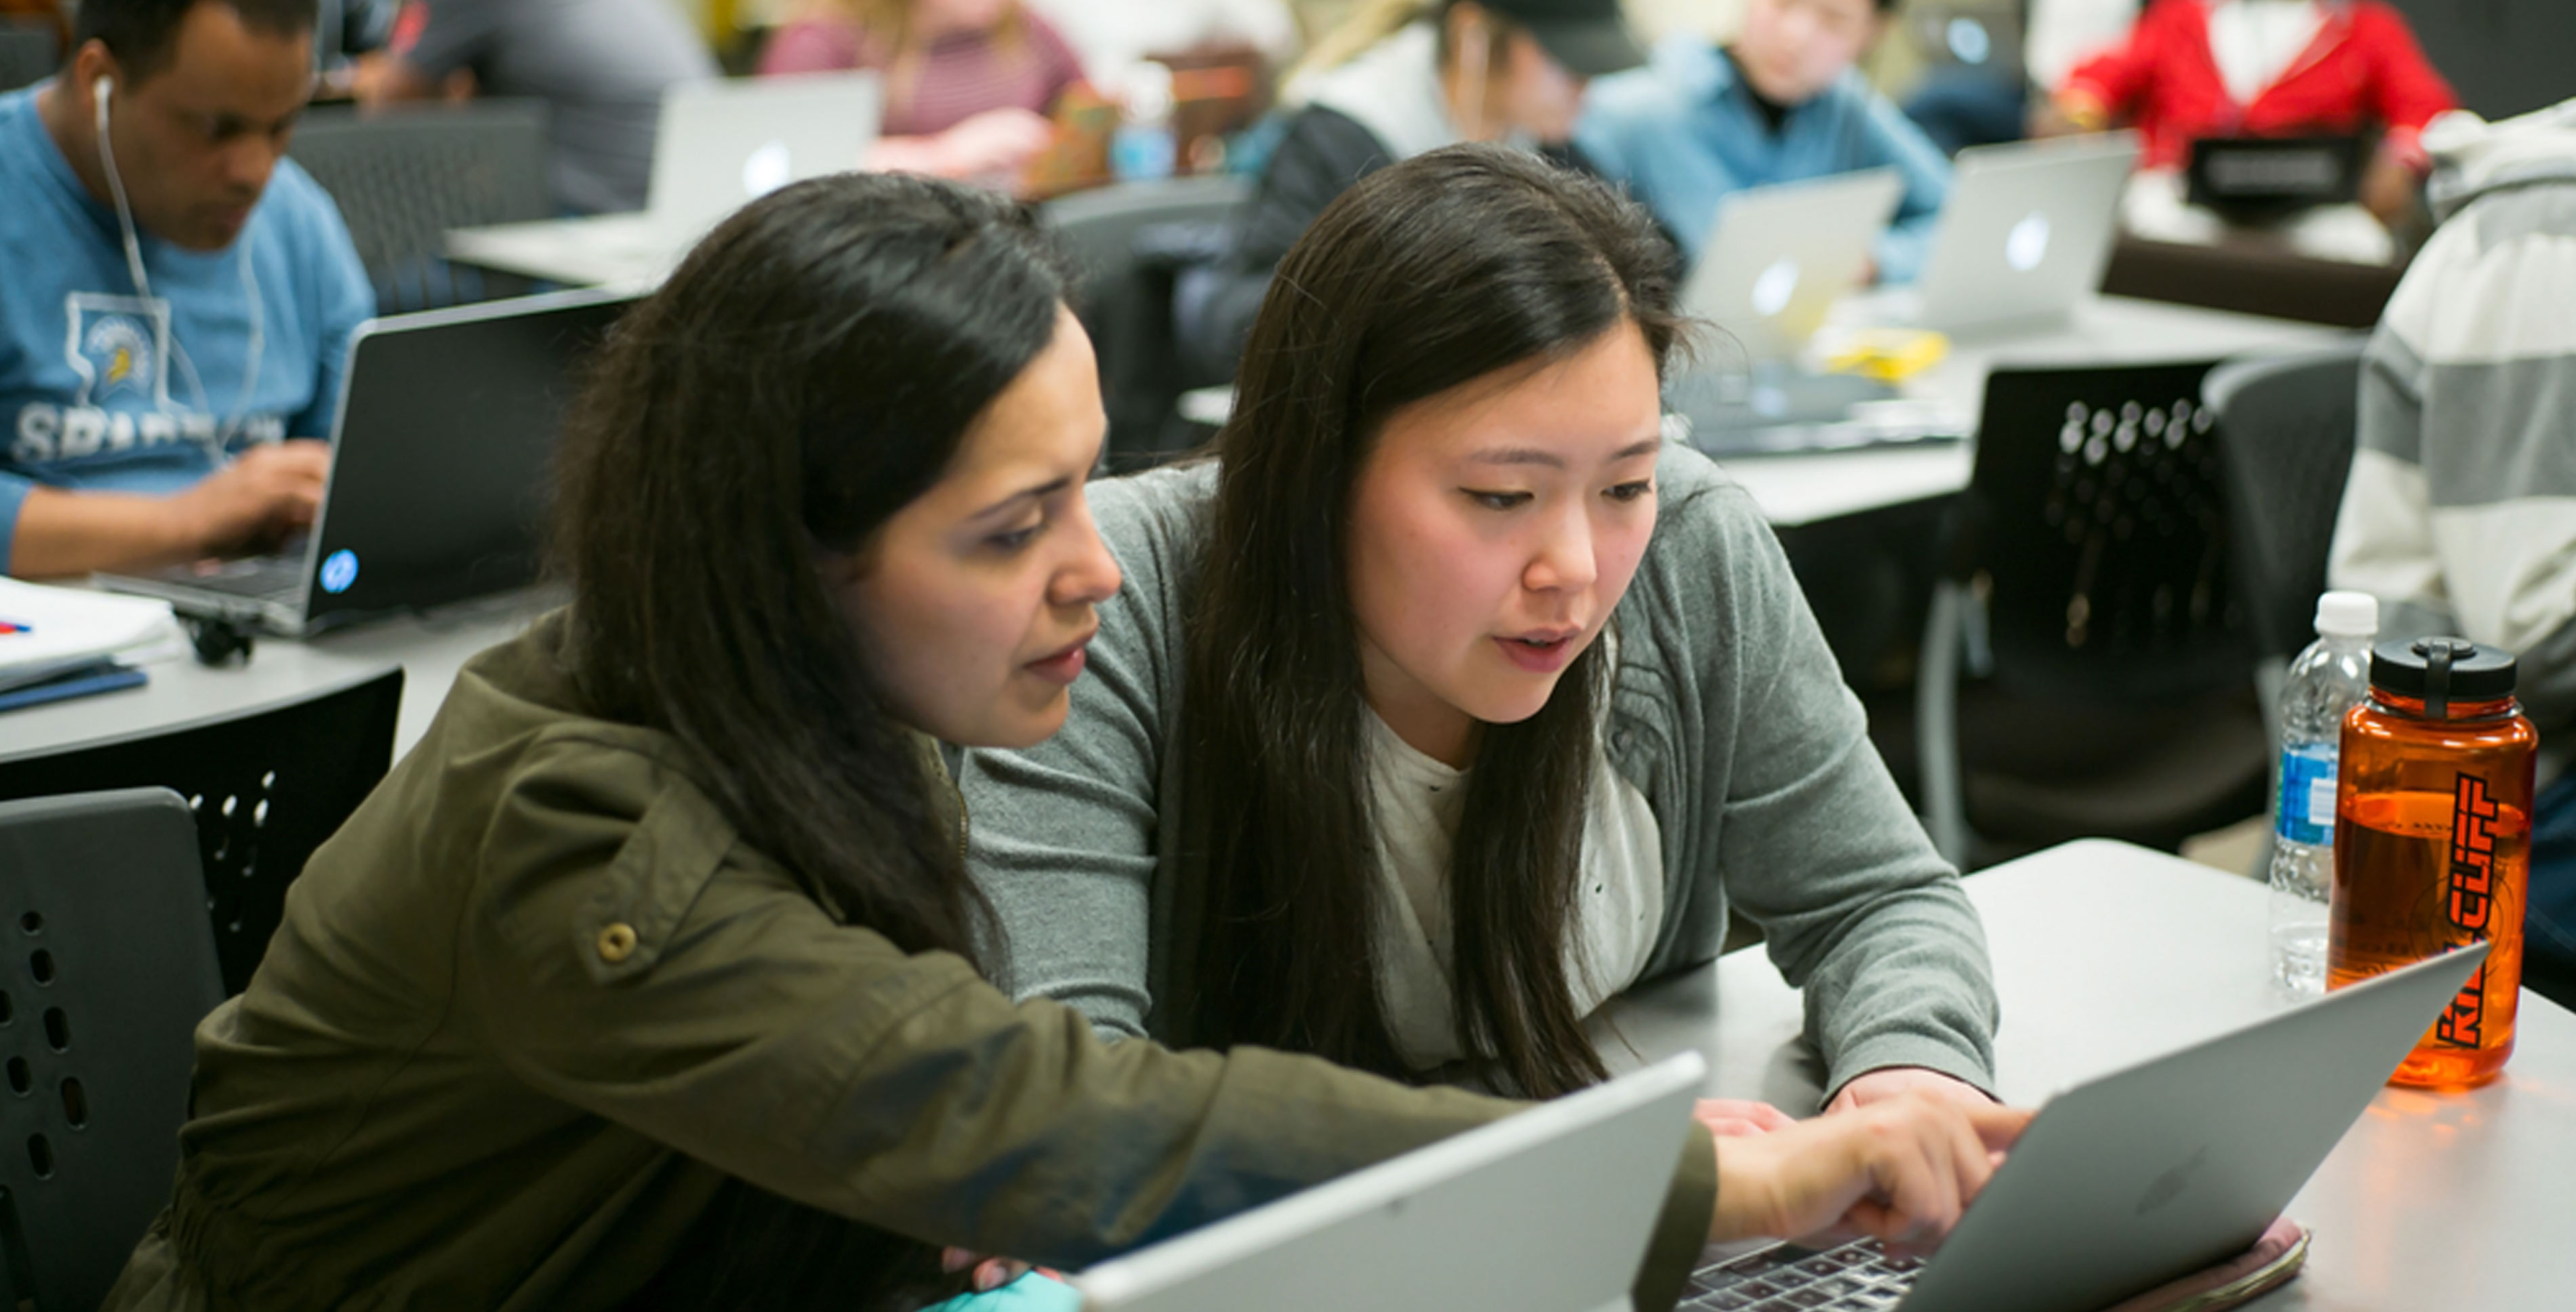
175 303
1397 79
1781 102
2460 511
969 84
601 66
2268 68
1115 36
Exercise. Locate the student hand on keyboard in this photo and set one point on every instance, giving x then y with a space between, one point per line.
1901 1169
267 493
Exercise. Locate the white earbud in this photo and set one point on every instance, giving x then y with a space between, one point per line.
98 94
100 90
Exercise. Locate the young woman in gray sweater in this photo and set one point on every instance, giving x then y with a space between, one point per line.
1451 700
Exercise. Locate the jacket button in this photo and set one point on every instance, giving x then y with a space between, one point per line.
616 943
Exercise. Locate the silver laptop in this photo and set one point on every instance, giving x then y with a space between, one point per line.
1546 1211
439 459
2135 1178
1780 256
2025 233
720 145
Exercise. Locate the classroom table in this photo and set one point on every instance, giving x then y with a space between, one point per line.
181 693
2106 954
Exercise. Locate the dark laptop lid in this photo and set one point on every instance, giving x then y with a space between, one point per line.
446 441
2253 179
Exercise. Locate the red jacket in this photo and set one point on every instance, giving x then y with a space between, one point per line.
2363 68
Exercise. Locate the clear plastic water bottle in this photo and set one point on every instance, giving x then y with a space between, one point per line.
2327 680
1143 148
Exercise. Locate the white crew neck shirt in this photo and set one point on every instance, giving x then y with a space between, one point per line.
2255 41
1418 802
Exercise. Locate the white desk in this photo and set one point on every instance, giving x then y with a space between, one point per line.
2105 954
610 250
182 693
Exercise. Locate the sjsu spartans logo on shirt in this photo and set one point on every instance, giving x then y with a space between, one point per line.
121 351
128 360
118 351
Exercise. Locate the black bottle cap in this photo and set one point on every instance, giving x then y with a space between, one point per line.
2439 671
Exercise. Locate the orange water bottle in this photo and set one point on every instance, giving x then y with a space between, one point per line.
2433 842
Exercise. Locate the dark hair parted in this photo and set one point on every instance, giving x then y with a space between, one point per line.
808 370
1439 271
144 34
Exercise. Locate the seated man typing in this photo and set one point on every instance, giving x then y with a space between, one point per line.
168 317
1780 103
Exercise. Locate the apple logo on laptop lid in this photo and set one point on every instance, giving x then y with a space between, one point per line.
2169 1186
2028 243
1772 290
768 169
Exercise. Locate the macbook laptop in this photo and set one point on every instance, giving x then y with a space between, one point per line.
1777 260
2026 232
2136 1178
720 144
1780 256
1546 1211
439 470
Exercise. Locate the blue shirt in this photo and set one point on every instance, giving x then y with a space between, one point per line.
1684 131
103 389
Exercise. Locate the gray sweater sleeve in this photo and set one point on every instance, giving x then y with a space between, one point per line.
1790 815
1063 835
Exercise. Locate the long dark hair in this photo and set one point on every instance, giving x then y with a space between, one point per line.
809 369
1433 273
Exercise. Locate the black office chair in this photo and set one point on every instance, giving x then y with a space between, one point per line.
266 789
1129 240
28 53
2291 426
106 967
2290 422
404 177
2087 586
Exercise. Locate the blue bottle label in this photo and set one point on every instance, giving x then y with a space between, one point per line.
2305 810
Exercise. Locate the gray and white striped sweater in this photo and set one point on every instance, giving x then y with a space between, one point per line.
2460 514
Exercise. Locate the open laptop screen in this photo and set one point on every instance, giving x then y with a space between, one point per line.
446 448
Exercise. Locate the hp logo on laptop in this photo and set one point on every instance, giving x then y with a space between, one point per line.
339 570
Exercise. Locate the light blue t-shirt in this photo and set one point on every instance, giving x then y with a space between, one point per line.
102 389
1684 131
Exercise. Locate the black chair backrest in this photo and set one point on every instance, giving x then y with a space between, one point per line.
402 178
105 969
266 789
1100 226
1125 299
2096 518
2290 425
28 54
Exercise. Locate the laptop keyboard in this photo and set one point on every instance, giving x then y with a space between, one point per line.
278 579
1856 1277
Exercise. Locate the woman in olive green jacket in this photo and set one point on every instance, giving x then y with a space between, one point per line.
649 978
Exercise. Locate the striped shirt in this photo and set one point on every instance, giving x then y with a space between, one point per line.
960 76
